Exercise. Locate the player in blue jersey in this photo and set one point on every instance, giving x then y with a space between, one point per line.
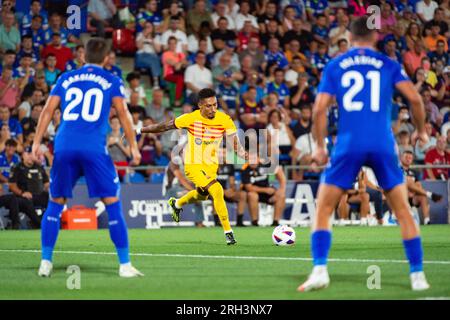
363 81
85 96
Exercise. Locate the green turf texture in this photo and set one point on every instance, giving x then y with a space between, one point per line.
205 278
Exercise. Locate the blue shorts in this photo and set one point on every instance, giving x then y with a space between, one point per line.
98 168
344 168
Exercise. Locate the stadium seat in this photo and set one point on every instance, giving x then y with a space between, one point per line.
157 177
136 177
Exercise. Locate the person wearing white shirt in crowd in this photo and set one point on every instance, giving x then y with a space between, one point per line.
302 153
174 31
338 33
197 76
425 9
229 49
220 11
194 39
232 8
147 53
244 15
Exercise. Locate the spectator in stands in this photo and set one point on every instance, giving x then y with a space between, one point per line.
102 13
150 147
357 8
62 53
222 34
230 47
5 135
14 125
270 13
272 31
149 14
292 75
174 64
357 195
438 156
196 16
29 124
9 157
302 153
398 35
403 122
54 124
220 12
251 114
413 35
25 72
413 58
339 32
275 58
404 141
147 53
26 47
226 70
35 10
439 18
9 89
320 29
24 109
179 35
156 108
280 87
299 33
111 65
37 33
439 54
9 58
303 124
390 50
387 21
244 35
30 181
342 47
252 79
244 15
117 147
425 10
319 60
432 39
51 73
9 34
134 85
431 109
255 179
280 135
421 149
228 95
174 10
417 195
293 51
203 34
197 76
56 26
253 50
78 60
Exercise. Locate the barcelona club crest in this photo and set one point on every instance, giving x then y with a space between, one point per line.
198 141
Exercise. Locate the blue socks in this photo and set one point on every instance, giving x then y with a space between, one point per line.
414 253
320 246
50 228
118 231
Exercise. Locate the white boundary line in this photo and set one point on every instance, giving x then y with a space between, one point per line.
199 256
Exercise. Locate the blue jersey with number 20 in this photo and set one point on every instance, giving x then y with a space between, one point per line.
363 82
86 98
80 143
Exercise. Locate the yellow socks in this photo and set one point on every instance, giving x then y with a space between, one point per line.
216 192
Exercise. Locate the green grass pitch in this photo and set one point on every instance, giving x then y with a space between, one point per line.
189 263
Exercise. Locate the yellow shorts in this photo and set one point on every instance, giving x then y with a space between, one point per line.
201 175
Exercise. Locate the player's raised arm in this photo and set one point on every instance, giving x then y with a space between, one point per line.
319 127
408 90
44 120
126 122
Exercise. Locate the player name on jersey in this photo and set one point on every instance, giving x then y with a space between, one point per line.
360 60
87 77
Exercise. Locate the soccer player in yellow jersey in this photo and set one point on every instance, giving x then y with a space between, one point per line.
206 128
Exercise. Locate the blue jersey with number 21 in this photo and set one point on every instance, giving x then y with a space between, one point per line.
80 144
86 98
363 82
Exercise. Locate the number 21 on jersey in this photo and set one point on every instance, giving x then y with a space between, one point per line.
355 81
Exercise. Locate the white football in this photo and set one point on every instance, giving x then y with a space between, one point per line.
283 236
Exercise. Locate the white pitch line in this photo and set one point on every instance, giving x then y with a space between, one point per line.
199 256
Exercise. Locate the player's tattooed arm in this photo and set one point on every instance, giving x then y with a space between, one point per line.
159 127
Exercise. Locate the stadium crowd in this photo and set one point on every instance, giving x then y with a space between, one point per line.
264 58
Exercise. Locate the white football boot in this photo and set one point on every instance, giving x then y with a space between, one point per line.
128 271
45 269
318 279
418 281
